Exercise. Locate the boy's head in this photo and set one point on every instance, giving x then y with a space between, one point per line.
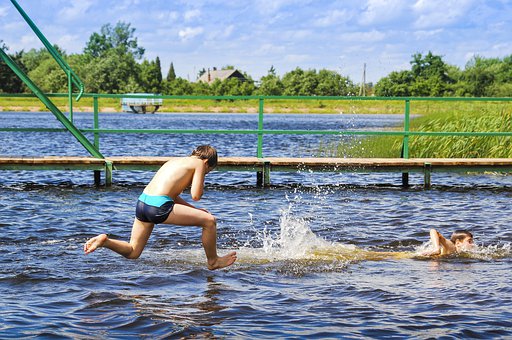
207 152
462 239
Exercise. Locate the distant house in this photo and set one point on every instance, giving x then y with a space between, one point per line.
210 76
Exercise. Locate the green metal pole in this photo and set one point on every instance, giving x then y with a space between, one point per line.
70 96
260 128
96 122
53 52
406 128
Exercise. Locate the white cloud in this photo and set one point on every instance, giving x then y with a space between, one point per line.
166 17
269 49
438 13
76 10
191 14
383 11
190 32
333 17
297 58
70 42
273 6
3 11
368 37
425 34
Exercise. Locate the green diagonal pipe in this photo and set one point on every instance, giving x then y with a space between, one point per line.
69 72
49 104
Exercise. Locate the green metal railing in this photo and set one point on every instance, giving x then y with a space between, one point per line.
73 79
405 133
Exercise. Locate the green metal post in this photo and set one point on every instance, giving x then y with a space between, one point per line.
405 143
70 96
260 128
406 128
97 173
96 122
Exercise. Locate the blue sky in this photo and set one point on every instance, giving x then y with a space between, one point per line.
254 35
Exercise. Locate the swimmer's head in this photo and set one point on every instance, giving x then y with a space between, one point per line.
207 152
463 240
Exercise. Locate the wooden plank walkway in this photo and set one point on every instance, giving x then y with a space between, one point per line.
264 166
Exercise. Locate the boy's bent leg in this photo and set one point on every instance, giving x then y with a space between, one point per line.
187 216
132 250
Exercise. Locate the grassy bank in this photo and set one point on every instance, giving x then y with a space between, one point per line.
345 106
222 106
436 117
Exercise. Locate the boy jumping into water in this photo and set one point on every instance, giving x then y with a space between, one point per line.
461 240
160 203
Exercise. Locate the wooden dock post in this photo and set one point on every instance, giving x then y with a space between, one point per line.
97 178
108 173
427 175
263 176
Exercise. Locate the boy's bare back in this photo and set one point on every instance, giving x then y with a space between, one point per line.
176 175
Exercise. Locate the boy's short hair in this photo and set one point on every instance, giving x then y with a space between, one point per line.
206 152
460 235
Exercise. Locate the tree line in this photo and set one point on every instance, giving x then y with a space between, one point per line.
112 62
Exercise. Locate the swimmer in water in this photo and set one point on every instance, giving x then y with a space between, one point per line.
460 241
160 203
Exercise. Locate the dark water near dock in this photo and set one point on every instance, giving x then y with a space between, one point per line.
309 264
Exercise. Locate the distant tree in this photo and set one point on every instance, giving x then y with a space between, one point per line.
120 37
331 83
479 75
292 82
312 83
171 75
112 66
396 84
9 81
271 85
151 76
178 87
49 77
430 74
158 66
44 70
111 73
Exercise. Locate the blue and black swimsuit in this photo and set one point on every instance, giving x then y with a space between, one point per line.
154 209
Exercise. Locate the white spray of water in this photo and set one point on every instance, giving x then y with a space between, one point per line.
295 241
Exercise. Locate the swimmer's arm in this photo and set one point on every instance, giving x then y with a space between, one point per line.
197 187
442 246
435 239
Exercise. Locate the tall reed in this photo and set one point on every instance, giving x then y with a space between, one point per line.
486 118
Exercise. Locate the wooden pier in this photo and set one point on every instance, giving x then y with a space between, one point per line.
264 166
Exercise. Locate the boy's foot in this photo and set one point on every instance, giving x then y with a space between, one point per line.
222 261
94 243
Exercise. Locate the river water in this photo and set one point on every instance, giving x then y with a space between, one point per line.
319 255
